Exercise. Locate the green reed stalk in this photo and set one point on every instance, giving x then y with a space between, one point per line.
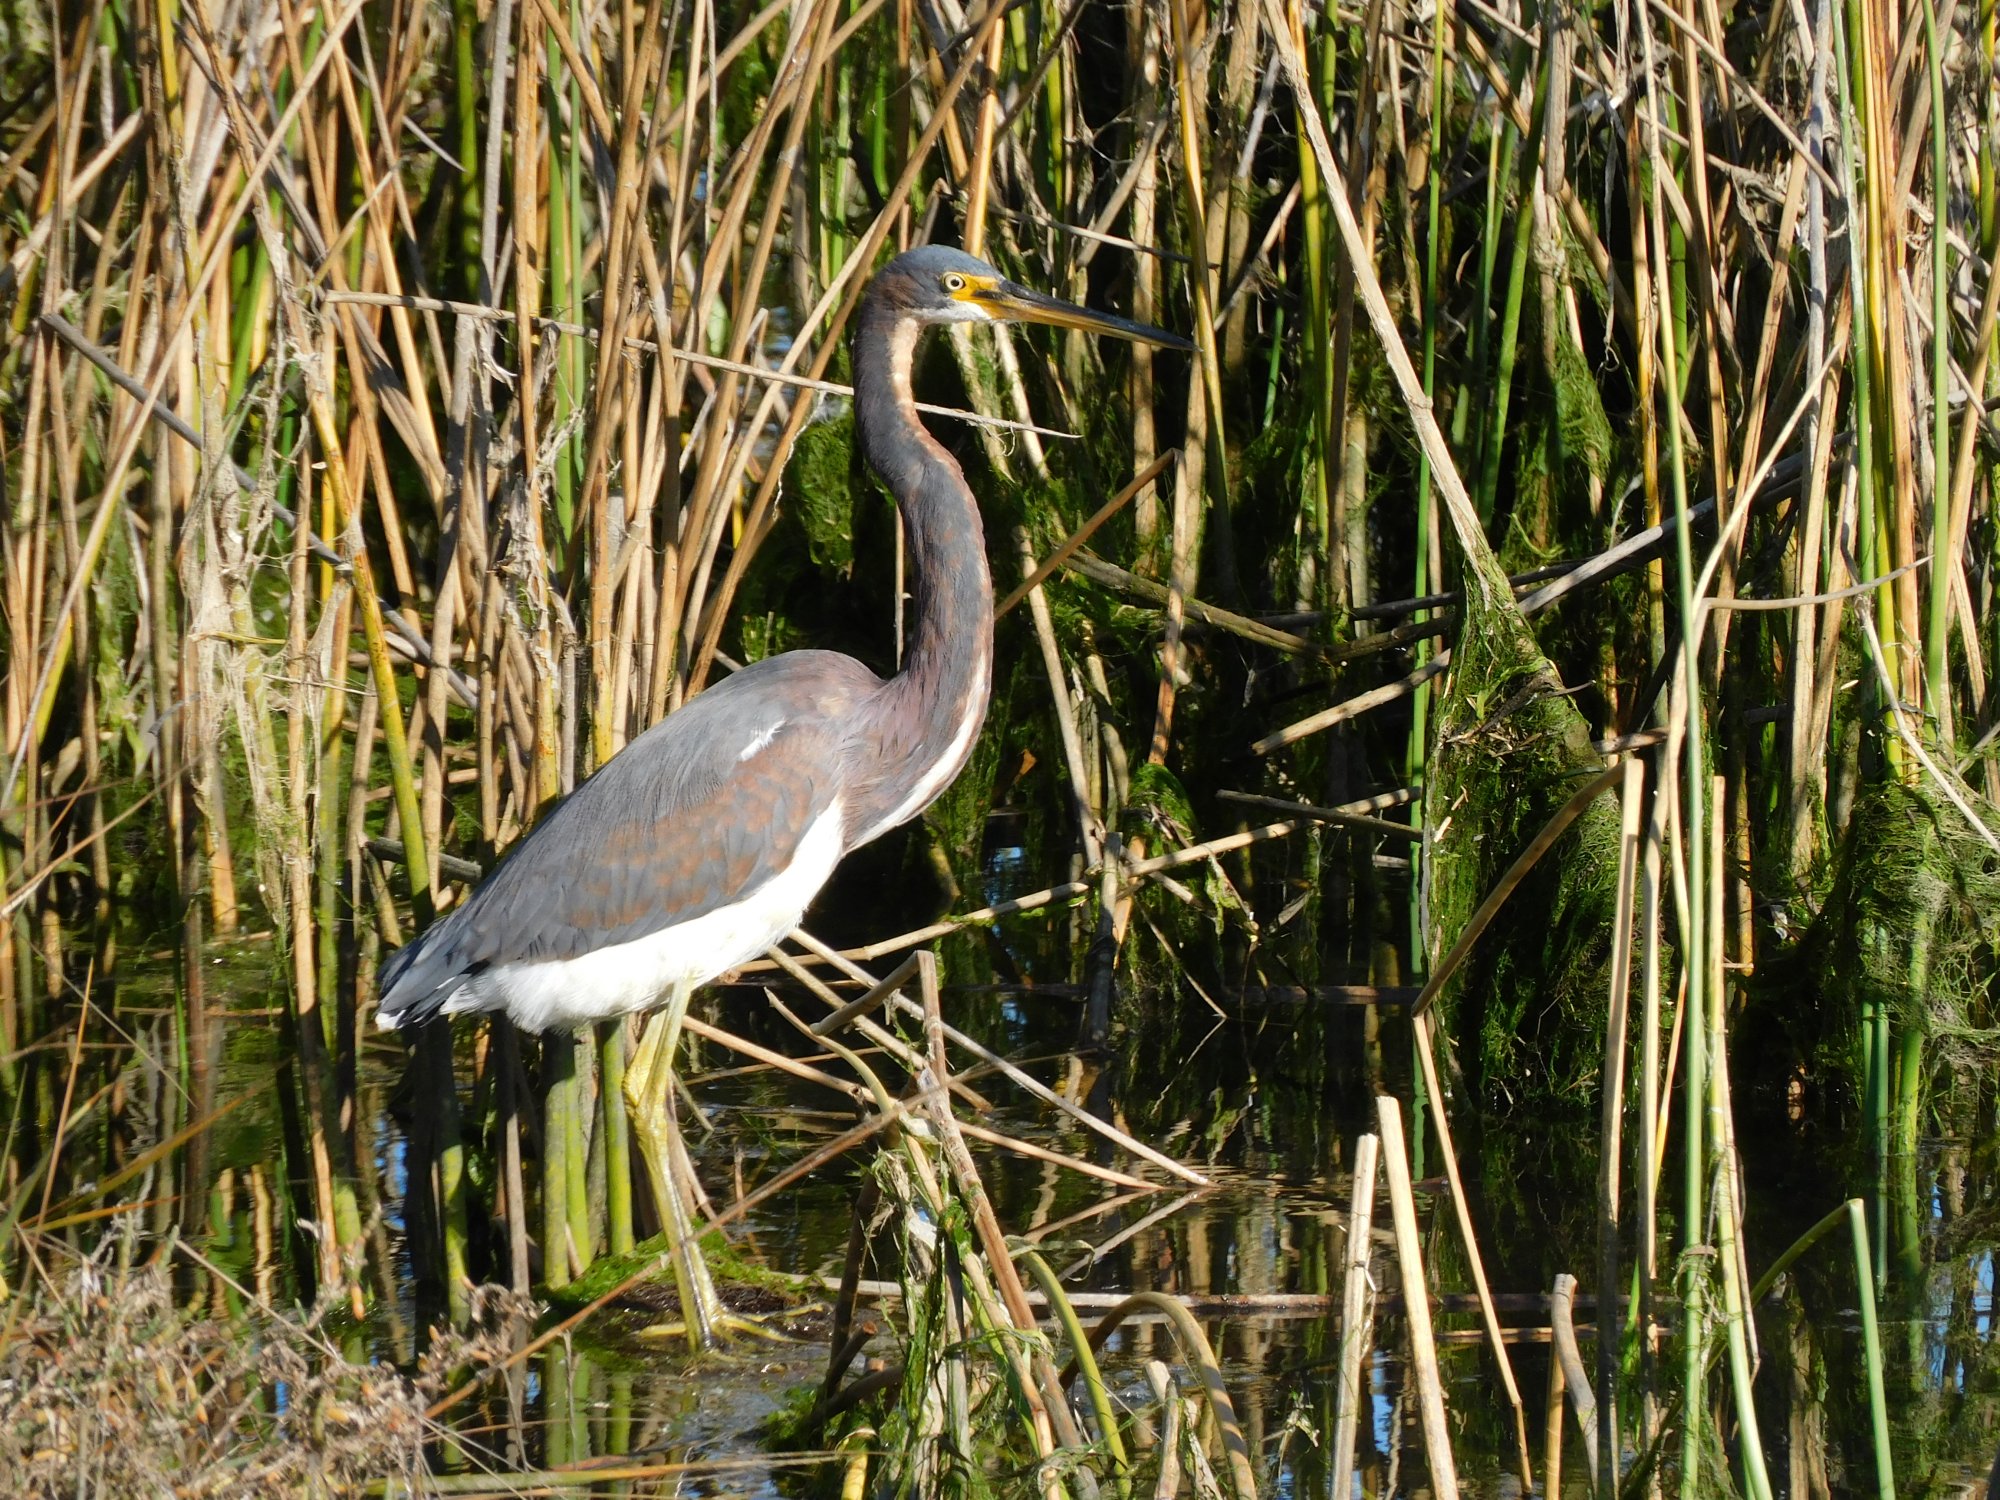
1850 74
1692 842
576 1177
468 84
1314 214
1876 1114
1904 1126
557 1404
246 299
618 1417
1471 400
1055 110
434 1066
879 117
1488 496
558 1108
616 1126
1415 756
1086 1367
1878 1403
1194 188
832 172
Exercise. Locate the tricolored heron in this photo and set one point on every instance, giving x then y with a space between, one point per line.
701 844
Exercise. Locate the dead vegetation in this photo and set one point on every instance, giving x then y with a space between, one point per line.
111 1388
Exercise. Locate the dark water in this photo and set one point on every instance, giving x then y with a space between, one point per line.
1268 1103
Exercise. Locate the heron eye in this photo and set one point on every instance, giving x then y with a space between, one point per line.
953 282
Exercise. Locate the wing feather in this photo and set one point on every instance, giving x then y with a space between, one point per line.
679 824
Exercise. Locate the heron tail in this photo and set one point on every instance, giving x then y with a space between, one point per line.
412 990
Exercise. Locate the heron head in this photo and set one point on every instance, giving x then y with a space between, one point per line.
937 284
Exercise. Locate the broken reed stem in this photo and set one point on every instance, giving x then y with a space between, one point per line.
695 1026
1356 1319
1416 1301
1575 1380
1420 1025
1552 1431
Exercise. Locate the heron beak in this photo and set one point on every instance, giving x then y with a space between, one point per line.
1016 303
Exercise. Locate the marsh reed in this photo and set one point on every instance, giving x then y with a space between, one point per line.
1560 586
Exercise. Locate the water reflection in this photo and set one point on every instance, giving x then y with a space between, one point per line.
1255 1104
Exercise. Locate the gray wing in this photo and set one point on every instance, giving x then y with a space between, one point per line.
679 823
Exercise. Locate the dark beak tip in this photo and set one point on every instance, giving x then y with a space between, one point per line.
1014 301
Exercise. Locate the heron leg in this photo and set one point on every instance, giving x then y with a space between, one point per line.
649 1081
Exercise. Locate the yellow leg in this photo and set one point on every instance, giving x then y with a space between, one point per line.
649 1102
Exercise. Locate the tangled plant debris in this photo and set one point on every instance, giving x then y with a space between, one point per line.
112 1387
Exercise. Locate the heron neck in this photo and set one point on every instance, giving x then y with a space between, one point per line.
932 710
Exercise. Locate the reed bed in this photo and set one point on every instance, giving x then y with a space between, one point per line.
1552 610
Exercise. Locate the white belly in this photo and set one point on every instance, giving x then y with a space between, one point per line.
633 976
